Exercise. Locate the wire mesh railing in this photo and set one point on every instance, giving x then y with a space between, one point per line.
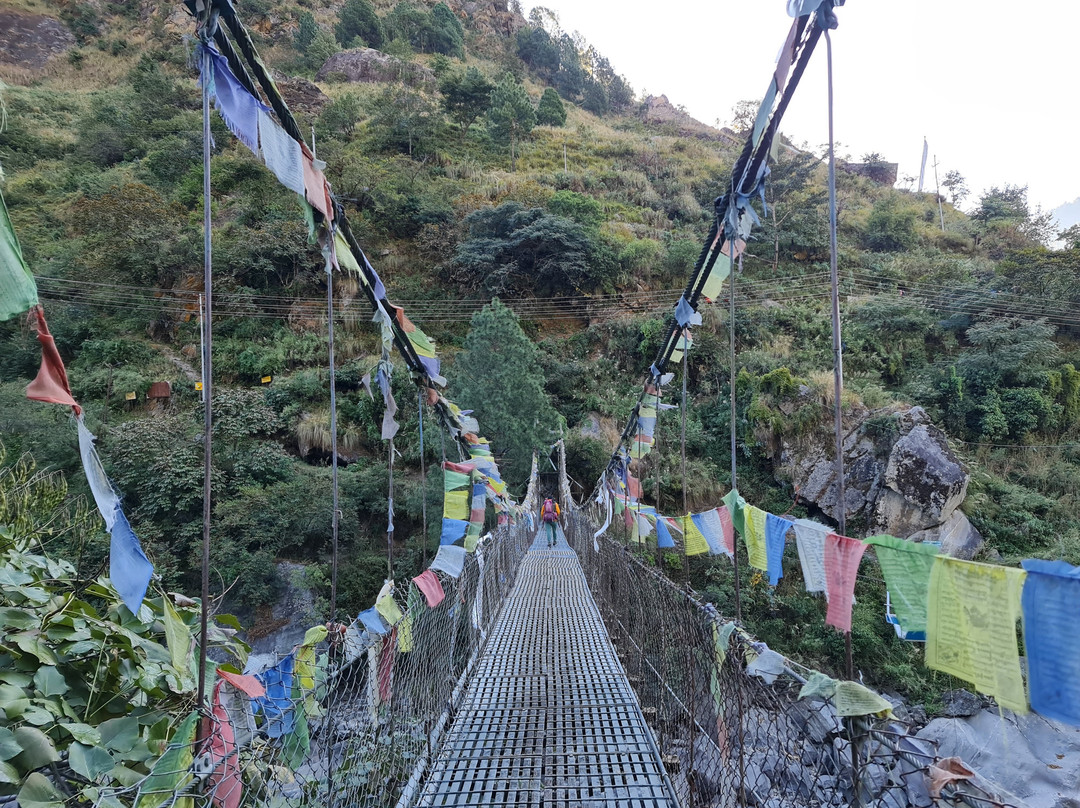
739 724
350 720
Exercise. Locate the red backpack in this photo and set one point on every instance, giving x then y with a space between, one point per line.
548 511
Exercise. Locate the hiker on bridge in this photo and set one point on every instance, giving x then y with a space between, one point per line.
549 513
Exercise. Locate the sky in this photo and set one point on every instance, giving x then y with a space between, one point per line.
992 85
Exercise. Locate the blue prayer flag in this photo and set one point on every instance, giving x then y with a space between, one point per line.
776 528
453 530
1049 603
663 535
129 568
277 704
372 621
238 108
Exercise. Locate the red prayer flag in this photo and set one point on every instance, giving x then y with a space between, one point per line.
51 384
633 485
386 665
225 784
729 529
431 587
842 557
460 468
248 685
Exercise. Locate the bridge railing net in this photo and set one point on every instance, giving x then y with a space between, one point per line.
726 711
352 722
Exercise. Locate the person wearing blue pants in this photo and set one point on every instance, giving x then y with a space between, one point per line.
549 514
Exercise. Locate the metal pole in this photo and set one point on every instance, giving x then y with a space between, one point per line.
423 474
333 438
731 382
838 357
656 454
937 192
208 372
390 523
685 508
202 344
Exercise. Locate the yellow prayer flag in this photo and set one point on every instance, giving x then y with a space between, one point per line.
388 610
404 636
971 627
304 667
456 504
693 539
755 538
345 258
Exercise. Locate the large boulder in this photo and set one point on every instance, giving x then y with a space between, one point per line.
375 67
1033 757
30 40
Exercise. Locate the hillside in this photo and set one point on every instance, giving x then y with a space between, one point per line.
581 206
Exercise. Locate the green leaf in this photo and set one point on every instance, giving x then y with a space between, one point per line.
229 620
89 761
11 577
83 733
8 773
125 776
50 681
178 637
9 747
37 749
119 734
38 792
172 770
12 618
30 643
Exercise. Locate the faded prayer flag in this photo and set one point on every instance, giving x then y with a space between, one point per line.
754 536
693 539
663 535
429 584
51 383
776 528
450 560
971 627
129 568
810 542
842 557
1050 597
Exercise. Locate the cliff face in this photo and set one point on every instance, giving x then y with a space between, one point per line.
657 109
29 41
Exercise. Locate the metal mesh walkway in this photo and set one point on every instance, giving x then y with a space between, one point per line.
549 718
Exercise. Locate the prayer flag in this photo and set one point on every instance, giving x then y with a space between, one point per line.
276 706
224 781
283 156
388 610
237 107
454 479
129 568
51 383
736 510
842 557
754 536
810 542
906 566
728 530
709 524
100 488
1050 605
452 530
854 699
450 560
456 504
18 291
971 627
428 583
693 540
776 528
372 621
663 535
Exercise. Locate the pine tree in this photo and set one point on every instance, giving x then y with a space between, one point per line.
498 376
358 19
465 97
550 111
511 116
306 32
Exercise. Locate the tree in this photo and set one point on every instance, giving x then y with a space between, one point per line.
447 35
596 98
465 97
743 115
306 31
359 20
1071 237
511 115
891 226
403 119
956 185
570 79
498 375
339 117
1006 214
550 111
538 51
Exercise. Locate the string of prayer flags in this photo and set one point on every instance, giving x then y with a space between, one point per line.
754 536
431 587
51 383
449 560
842 557
906 566
971 627
776 529
18 291
238 108
810 542
1049 600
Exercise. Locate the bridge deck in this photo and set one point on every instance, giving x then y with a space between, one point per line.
549 718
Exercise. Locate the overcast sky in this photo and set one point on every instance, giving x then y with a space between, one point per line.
993 85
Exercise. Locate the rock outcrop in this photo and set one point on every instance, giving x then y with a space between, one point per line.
30 40
656 109
375 67
488 16
301 94
911 487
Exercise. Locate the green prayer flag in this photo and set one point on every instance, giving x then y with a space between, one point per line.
735 504
18 292
853 699
906 566
454 479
